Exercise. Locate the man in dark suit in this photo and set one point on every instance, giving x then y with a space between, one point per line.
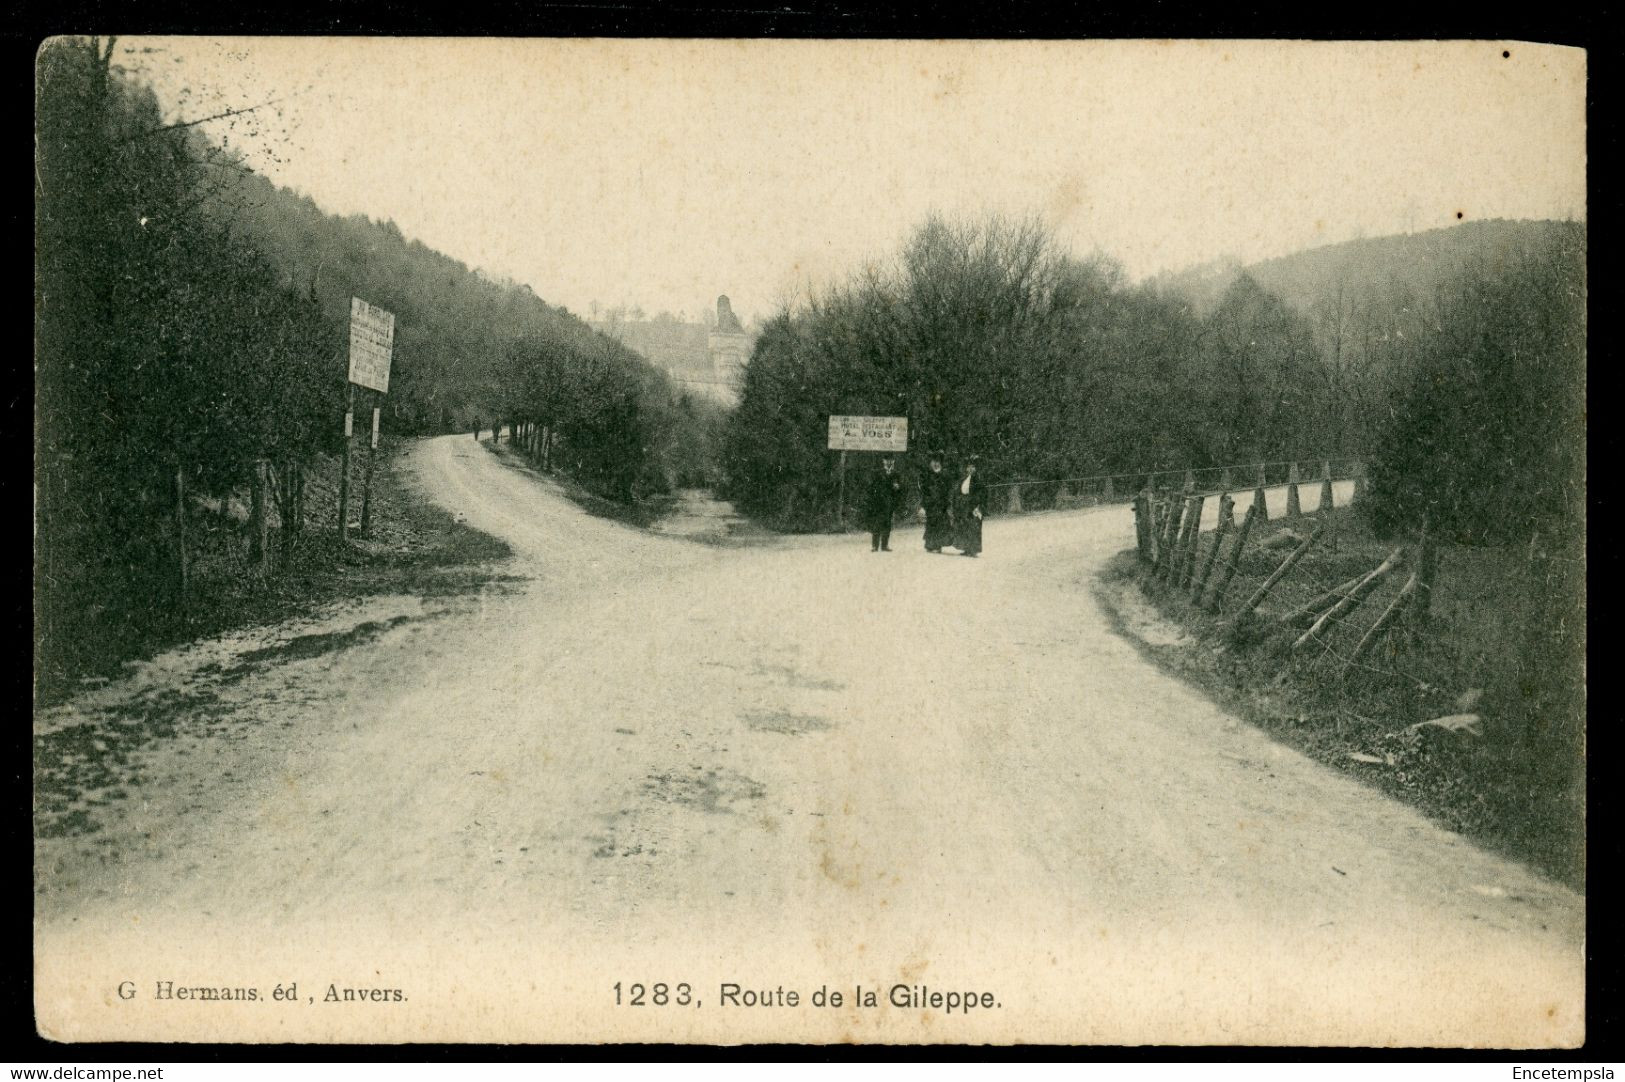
884 498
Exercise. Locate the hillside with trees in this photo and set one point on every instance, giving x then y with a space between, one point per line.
1403 264
191 337
456 359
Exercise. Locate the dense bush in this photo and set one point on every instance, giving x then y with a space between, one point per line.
1486 444
170 357
1486 434
994 343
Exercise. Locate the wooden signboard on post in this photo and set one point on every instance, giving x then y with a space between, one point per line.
864 434
372 345
868 434
372 349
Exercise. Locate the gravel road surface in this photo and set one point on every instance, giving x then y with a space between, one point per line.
789 765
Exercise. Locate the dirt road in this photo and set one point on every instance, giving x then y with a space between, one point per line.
788 766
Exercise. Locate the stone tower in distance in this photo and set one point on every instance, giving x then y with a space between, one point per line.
728 346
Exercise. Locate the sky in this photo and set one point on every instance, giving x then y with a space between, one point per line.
664 173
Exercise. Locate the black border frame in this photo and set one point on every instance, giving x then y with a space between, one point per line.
23 32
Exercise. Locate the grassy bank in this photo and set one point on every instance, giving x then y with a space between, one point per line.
642 512
413 547
1499 781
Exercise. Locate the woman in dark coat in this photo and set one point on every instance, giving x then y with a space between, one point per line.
969 502
936 489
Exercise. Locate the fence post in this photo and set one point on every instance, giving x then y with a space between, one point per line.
1139 525
1260 501
1154 525
1224 478
1165 522
1327 506
1226 516
293 523
1193 534
182 571
1013 504
1063 497
1427 566
1107 495
1165 528
1261 475
259 524
1190 481
1542 638
1182 542
1294 507
1360 482
1235 559
1176 515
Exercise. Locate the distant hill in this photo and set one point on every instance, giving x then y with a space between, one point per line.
453 322
1416 263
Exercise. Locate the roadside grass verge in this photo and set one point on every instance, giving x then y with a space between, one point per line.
414 547
647 513
642 513
1519 796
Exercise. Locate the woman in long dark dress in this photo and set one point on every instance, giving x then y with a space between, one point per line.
970 502
936 487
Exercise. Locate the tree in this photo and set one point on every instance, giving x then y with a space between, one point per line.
170 356
1263 369
1486 429
992 341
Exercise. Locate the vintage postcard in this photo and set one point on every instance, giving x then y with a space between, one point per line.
731 541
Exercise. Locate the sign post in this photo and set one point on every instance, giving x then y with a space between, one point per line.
344 463
840 504
864 434
366 484
372 348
